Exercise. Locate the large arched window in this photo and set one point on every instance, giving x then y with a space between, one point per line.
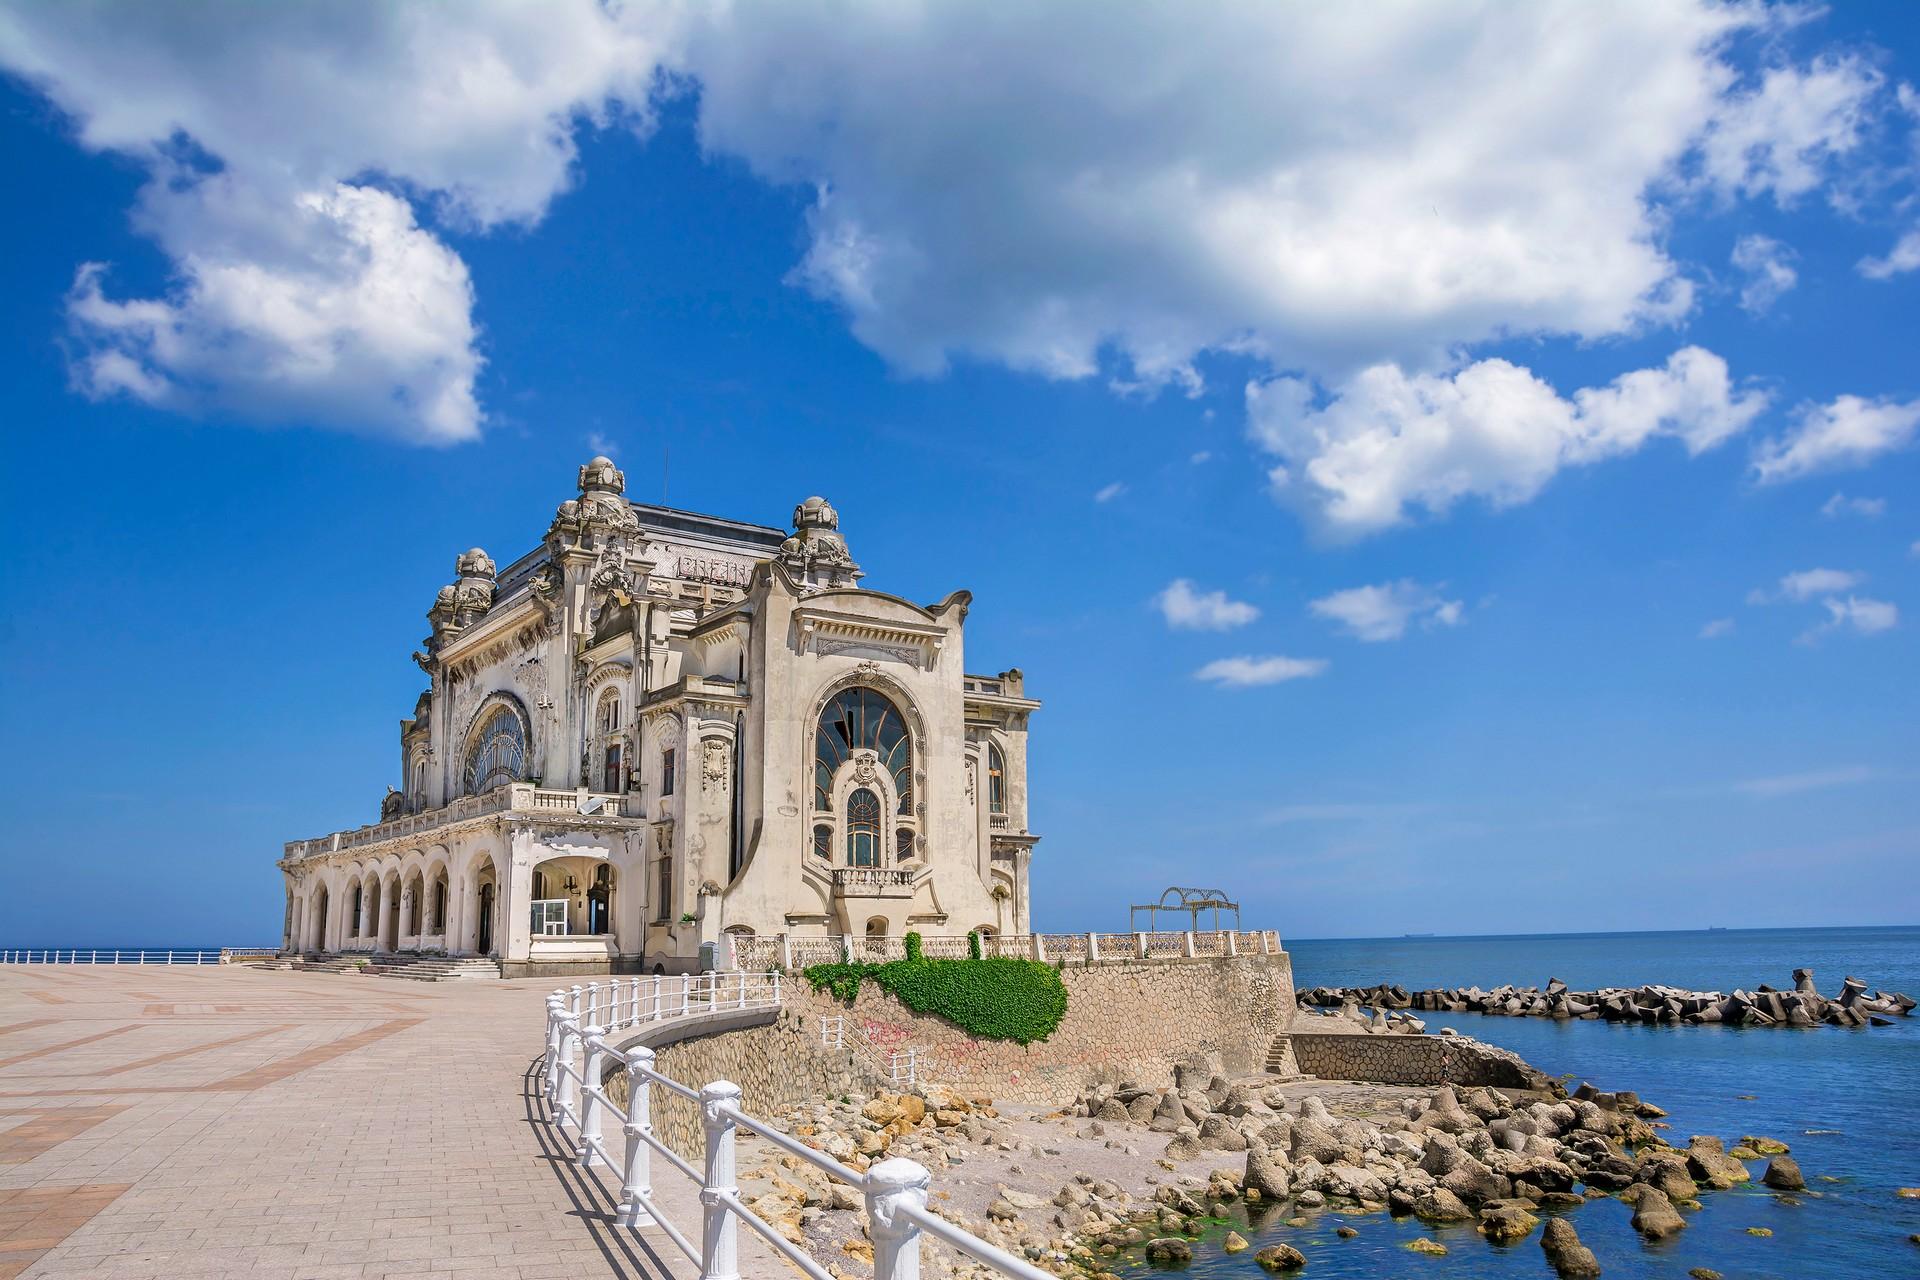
863 829
996 780
498 751
861 719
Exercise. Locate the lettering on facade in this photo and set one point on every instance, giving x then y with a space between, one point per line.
713 570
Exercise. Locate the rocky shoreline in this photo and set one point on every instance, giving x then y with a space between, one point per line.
1803 1006
1128 1172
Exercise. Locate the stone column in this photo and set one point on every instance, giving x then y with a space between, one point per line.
515 891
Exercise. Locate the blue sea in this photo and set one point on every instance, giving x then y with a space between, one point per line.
1847 1102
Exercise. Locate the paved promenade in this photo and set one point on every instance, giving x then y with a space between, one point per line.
226 1121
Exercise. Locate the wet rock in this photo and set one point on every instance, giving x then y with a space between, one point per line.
1432 1248
1565 1254
1441 1205
1783 1174
1346 1233
1654 1215
1267 1172
1280 1257
1764 1146
1507 1223
1169 1249
1708 1161
1234 1243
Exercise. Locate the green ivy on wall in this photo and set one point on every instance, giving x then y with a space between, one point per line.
1001 998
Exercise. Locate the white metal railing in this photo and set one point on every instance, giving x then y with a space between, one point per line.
788 953
133 955
901 1067
578 1058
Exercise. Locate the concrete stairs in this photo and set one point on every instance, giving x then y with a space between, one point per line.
1280 1059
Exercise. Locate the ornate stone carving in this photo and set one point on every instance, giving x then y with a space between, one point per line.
866 767
465 600
713 764
817 554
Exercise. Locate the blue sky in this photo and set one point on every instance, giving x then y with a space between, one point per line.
1446 475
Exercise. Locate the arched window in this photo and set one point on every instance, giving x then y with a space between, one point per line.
498 752
353 921
440 904
610 713
861 719
996 780
863 829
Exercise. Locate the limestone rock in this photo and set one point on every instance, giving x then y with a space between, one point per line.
1654 1215
1565 1254
1169 1249
1432 1248
1783 1174
1280 1257
1234 1243
1267 1172
1507 1223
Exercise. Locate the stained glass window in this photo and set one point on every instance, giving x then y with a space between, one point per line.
863 829
861 719
498 754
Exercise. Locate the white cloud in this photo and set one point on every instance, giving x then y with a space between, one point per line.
1780 136
1848 432
1813 780
1119 197
340 310
1857 613
1902 258
305 290
1717 628
1805 584
1383 612
1841 505
1247 671
1107 493
1770 273
1388 440
1203 455
1190 610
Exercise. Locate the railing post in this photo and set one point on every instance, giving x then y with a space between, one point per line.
686 993
786 952
636 1180
1140 945
590 1104
892 1185
1233 944
554 1011
591 1017
1093 947
567 1097
574 1006
1189 950
776 989
719 1229
1040 948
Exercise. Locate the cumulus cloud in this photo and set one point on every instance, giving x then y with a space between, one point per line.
339 309
1119 197
1780 136
1107 493
1388 440
1384 612
1805 584
1841 505
1769 268
1849 431
1189 609
1717 628
286 145
1248 671
1857 614
1902 258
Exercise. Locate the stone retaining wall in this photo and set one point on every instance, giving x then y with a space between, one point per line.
776 1059
1410 1059
1124 1020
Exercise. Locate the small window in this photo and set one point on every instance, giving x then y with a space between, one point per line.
610 716
823 842
663 887
996 779
666 772
902 845
863 829
613 782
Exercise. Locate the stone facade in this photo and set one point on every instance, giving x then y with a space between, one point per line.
658 729
1124 1020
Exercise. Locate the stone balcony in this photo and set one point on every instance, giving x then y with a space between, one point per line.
873 882
515 797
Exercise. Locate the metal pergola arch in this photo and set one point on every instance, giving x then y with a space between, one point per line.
1191 901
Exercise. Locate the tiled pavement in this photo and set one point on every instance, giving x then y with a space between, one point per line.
226 1121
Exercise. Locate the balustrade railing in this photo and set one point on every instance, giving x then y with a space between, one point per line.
577 1065
762 954
513 797
901 1067
134 955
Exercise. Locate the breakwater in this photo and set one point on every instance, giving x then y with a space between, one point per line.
1765 1006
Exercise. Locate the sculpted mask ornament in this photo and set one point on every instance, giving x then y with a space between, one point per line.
866 767
713 764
